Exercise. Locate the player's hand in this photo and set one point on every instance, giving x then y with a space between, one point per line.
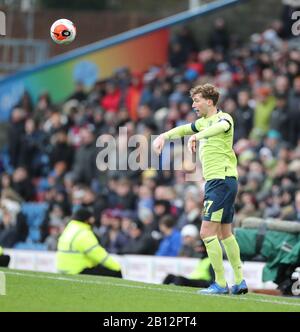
158 144
192 144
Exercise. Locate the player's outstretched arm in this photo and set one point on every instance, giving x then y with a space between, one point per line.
174 133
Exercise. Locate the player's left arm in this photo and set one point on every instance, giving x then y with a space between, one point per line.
174 133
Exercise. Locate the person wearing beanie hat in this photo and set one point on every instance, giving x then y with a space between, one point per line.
79 251
82 215
140 242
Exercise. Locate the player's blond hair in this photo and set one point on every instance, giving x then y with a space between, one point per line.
208 91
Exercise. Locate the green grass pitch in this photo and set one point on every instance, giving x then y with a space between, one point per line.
37 291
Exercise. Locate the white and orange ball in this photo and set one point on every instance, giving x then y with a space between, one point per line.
63 31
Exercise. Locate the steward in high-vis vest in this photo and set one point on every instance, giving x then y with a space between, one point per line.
202 276
79 251
4 259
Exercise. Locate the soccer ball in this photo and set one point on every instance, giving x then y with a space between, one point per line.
63 31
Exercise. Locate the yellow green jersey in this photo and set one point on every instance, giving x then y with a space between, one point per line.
216 152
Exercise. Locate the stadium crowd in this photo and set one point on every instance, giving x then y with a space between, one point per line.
52 148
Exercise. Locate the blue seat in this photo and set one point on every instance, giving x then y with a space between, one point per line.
4 155
35 214
30 246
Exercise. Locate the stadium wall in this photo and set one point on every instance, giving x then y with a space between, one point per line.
150 269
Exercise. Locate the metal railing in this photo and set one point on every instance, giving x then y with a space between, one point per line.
20 53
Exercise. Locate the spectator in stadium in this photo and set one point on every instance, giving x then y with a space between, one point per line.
161 208
79 93
191 244
281 86
104 223
192 213
294 214
140 242
22 185
272 142
133 95
286 202
186 38
42 106
84 167
32 148
15 134
210 64
5 182
280 120
125 199
243 116
147 218
98 121
112 98
145 198
26 103
265 104
219 37
177 55
248 207
114 239
55 122
171 242
54 224
61 150
13 226
79 251
294 111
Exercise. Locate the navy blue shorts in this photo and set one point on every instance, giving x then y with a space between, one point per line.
219 200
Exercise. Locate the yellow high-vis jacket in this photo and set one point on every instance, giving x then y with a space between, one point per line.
202 270
78 249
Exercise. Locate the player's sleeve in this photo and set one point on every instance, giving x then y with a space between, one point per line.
196 126
179 131
223 125
226 117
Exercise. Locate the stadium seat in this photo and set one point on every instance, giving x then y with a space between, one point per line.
4 157
35 214
30 246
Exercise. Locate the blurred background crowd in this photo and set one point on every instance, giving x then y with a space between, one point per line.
51 153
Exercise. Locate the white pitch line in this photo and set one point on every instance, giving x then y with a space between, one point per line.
235 298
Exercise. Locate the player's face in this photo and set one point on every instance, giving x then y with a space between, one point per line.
200 105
